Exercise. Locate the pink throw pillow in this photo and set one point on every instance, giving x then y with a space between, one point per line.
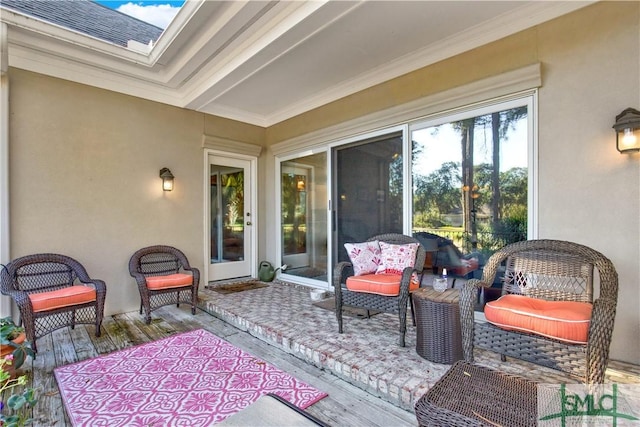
365 257
395 258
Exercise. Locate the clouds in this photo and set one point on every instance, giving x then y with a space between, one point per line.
159 15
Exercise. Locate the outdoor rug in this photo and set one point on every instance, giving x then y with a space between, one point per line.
237 287
330 304
193 378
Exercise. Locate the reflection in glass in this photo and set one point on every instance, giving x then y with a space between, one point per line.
470 180
303 186
227 207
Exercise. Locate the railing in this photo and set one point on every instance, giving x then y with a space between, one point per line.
485 242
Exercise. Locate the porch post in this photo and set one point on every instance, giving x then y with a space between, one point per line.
5 301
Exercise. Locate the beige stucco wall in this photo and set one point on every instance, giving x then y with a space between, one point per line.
85 162
84 176
588 192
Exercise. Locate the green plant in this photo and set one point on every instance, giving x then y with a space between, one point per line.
15 408
9 331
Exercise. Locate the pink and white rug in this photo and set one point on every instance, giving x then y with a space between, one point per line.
189 379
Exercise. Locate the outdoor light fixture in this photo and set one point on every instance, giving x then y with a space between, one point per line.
167 179
627 128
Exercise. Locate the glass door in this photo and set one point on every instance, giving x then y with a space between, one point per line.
295 207
368 190
303 217
230 218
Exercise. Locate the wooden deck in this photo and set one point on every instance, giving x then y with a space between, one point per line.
345 405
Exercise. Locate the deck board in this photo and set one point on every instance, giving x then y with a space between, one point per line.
345 405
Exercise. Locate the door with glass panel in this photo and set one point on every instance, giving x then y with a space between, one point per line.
303 217
230 218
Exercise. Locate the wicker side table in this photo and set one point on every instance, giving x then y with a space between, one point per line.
471 395
438 334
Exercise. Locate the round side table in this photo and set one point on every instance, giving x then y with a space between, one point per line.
439 337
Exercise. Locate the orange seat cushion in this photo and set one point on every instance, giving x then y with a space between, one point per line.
177 280
73 295
566 321
382 284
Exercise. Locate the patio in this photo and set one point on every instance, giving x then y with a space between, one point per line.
370 380
367 354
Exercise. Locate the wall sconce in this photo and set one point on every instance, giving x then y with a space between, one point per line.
167 179
627 128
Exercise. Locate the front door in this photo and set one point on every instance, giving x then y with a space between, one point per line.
230 218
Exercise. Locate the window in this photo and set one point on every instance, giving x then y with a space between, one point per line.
470 177
464 176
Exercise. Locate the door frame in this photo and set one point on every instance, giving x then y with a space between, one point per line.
212 147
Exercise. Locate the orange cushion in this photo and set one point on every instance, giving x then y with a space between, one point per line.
566 321
177 280
73 295
381 284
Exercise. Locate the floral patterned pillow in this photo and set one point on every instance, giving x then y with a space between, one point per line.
365 257
395 258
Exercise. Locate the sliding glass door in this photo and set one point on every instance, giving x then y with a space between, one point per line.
303 216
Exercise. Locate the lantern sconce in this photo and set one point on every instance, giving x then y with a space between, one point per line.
167 179
627 128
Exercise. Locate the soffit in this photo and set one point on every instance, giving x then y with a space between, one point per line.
262 62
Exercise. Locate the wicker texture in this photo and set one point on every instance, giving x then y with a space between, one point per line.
471 395
438 334
46 272
551 270
161 260
388 304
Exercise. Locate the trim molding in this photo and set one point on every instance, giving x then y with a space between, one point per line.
230 146
501 85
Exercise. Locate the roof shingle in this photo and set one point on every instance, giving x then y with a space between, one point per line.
89 18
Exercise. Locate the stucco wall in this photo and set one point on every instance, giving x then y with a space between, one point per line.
588 192
84 176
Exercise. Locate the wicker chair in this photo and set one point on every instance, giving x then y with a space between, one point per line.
369 301
550 270
157 263
37 283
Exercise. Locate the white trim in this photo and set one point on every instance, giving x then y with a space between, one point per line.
5 301
230 147
506 84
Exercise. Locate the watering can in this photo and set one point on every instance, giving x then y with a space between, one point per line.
266 272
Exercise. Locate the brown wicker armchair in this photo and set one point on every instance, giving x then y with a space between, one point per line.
549 270
164 277
53 291
371 301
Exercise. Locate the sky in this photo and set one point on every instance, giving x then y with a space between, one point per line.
156 12
444 146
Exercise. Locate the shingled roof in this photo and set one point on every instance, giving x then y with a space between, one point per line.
89 18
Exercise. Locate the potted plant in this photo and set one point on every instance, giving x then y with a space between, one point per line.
16 400
13 341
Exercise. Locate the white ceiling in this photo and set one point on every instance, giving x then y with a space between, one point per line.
263 62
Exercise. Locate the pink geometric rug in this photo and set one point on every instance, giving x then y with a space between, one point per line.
189 379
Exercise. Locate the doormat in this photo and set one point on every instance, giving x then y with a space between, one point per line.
330 304
236 287
193 378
